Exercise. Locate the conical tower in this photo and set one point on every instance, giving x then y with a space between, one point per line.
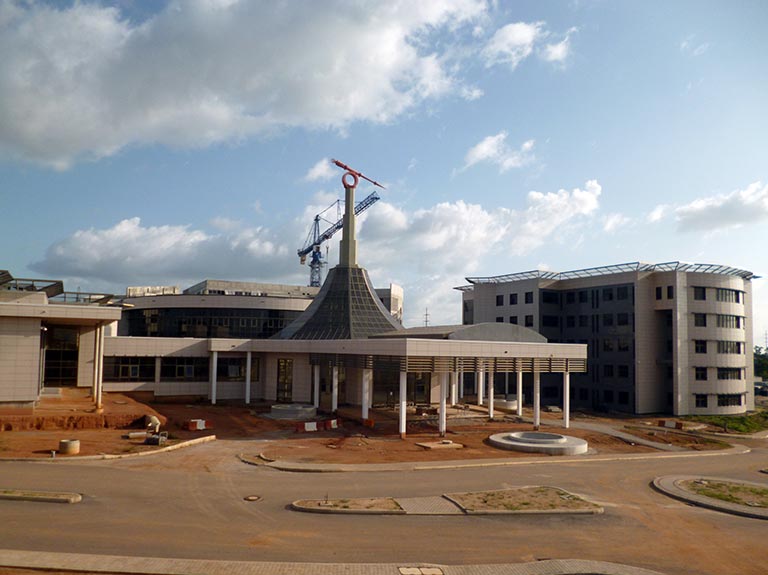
347 306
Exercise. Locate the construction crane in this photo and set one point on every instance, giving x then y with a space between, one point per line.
315 238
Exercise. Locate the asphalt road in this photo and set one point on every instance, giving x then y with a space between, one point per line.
190 504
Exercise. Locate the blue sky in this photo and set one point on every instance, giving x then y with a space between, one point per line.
146 143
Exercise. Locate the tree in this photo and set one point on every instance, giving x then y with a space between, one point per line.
761 362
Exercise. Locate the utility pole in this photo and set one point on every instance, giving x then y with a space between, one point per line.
426 317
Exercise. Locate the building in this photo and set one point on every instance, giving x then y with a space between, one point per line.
669 337
345 347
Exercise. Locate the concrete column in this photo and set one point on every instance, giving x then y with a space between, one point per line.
100 360
454 379
248 360
461 385
490 394
367 377
566 399
506 384
316 385
536 400
403 398
94 390
520 393
443 407
158 371
335 389
479 384
214 375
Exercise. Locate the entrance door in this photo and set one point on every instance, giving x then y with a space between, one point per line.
284 380
60 345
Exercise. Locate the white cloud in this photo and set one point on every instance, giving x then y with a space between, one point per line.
512 43
495 150
690 47
428 250
83 81
658 213
559 51
722 211
614 222
323 170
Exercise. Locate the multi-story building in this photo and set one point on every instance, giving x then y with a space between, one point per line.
669 337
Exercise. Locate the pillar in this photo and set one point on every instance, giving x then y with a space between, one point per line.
506 384
520 393
248 377
335 389
100 360
461 385
316 385
566 399
94 389
214 375
536 400
454 379
490 394
367 377
443 406
403 397
479 384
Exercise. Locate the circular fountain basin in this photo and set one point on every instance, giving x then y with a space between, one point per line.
293 411
539 442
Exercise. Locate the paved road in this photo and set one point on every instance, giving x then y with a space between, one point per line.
190 504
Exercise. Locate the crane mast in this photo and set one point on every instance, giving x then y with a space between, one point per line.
315 239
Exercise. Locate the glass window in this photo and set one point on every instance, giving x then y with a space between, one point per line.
529 321
670 292
623 344
729 321
550 321
701 373
185 368
499 319
529 297
622 319
608 294
513 299
728 295
608 370
730 347
570 297
583 321
728 373
658 293
700 319
623 371
548 297
570 321
701 400
728 400
583 296
499 300
699 293
622 292
607 345
129 368
513 319
700 345
607 319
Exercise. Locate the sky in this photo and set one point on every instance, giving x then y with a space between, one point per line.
163 143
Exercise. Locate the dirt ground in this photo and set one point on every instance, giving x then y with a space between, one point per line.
63 418
523 499
365 503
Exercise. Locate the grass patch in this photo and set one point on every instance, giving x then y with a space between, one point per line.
749 423
729 492
522 499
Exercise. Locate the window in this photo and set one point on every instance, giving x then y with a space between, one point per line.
529 321
499 300
622 293
608 395
623 398
499 319
700 319
570 297
622 319
570 321
623 371
583 296
658 293
129 368
728 400
513 319
701 400
513 299
728 295
700 345
547 297
550 321
607 319
728 373
670 292
730 347
529 297
701 373
699 293
607 345
623 344
583 321
730 321
607 370
184 368
607 294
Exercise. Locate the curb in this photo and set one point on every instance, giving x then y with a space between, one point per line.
103 456
41 496
296 507
681 494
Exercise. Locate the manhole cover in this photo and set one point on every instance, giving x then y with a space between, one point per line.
252 497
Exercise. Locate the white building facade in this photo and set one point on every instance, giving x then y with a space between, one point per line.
662 338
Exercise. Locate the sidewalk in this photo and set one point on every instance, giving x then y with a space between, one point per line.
162 566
